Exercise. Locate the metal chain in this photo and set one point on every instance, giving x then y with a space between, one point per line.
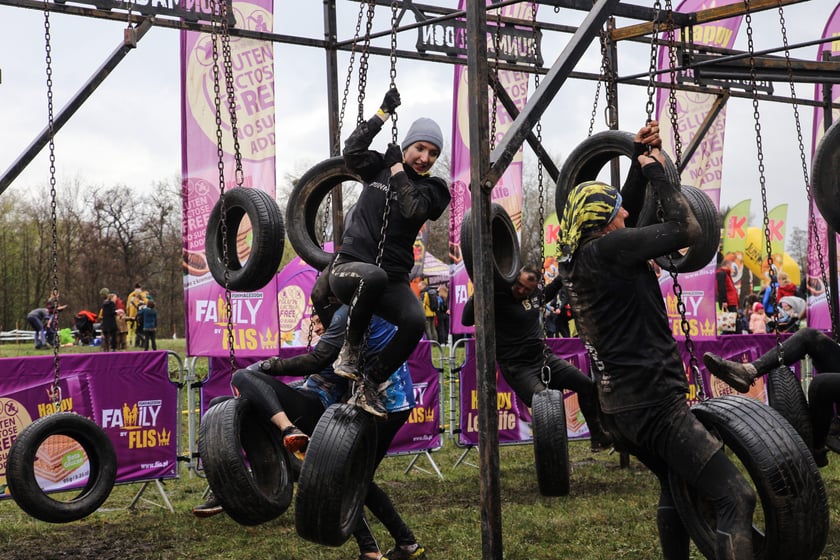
220 154
803 160
497 40
363 62
672 92
56 388
349 77
654 47
602 39
393 69
762 181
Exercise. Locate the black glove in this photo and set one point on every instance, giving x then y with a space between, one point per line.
391 101
393 155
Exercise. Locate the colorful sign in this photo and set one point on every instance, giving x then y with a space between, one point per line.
254 315
128 394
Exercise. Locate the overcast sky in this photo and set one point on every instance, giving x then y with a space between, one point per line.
129 131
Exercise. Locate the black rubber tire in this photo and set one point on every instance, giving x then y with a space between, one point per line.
335 476
551 442
785 395
504 245
590 156
20 468
824 177
302 209
788 484
268 239
697 256
246 464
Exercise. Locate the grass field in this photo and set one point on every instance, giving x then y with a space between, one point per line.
608 515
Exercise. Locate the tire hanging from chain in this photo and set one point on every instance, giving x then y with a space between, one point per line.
340 461
93 447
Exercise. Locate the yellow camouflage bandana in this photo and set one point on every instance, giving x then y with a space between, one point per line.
589 206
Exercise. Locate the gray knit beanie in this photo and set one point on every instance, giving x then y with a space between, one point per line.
423 130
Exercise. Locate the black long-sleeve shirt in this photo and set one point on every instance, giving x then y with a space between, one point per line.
416 198
617 302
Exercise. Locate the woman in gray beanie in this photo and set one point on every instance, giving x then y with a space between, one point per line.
401 173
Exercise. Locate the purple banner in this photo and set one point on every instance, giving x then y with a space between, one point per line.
704 170
508 191
818 312
420 433
254 315
515 417
128 394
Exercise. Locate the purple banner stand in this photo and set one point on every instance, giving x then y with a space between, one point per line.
128 394
420 434
515 417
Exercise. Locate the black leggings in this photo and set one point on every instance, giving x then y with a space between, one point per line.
377 501
824 352
823 396
669 437
392 300
270 395
525 380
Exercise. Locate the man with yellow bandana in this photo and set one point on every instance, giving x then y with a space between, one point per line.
640 378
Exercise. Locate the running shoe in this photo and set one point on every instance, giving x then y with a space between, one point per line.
403 553
369 398
295 441
347 363
209 508
737 375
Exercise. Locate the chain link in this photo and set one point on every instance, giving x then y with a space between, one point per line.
654 47
803 160
672 92
215 14
363 62
771 268
497 39
56 388
393 70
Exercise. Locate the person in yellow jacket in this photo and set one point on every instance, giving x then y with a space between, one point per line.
136 298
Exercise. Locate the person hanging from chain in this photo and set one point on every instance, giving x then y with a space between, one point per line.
371 269
521 350
640 377
296 411
823 392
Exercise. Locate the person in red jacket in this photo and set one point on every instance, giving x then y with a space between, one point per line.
725 292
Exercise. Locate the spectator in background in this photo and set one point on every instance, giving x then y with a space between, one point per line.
758 320
725 292
150 326
138 322
39 320
122 330
786 287
429 301
442 315
108 320
135 299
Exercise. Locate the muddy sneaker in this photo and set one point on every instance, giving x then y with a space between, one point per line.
347 363
412 552
821 457
737 375
295 441
369 398
209 508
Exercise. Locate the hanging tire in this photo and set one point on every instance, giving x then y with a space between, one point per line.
791 493
302 209
335 475
785 394
704 250
268 239
504 245
246 464
824 178
551 442
585 162
21 467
